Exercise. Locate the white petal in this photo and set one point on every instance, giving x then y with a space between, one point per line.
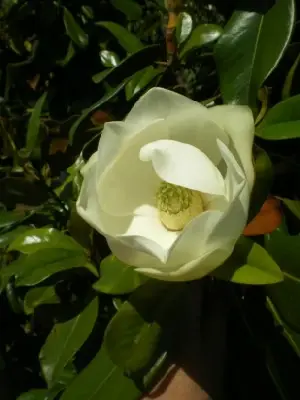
158 103
139 233
238 123
196 128
183 165
112 141
128 183
90 164
88 208
148 235
192 270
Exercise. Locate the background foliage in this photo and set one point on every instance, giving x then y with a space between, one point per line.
70 313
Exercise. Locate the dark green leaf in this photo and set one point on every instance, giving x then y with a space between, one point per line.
287 87
141 79
133 334
130 8
127 40
40 295
36 267
15 191
10 218
108 96
282 121
121 73
184 27
202 35
292 337
68 57
109 58
65 340
74 31
263 181
133 63
285 111
43 238
34 394
101 379
244 54
249 264
33 129
117 277
292 205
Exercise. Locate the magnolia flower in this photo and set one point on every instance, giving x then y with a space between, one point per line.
169 187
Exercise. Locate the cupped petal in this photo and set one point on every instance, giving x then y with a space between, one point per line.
238 123
192 270
148 235
129 183
113 138
158 103
140 233
195 127
88 208
183 165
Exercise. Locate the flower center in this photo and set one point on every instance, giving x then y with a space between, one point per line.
177 205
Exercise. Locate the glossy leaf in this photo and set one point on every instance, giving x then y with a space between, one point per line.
38 296
117 277
130 8
109 58
244 55
141 79
37 267
263 182
8 237
126 39
184 27
249 264
130 340
287 87
32 135
65 339
43 238
202 35
133 63
281 131
101 379
133 334
282 121
74 30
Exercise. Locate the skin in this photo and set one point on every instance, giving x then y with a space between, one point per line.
196 368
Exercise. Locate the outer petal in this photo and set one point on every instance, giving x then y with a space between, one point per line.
112 141
129 183
159 103
238 123
183 165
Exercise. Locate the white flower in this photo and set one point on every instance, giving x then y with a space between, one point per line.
169 186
